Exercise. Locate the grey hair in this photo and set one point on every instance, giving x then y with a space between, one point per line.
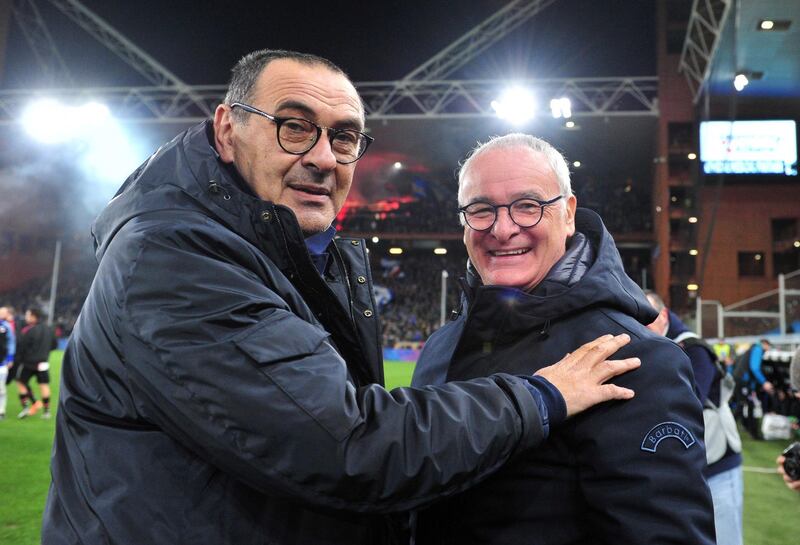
557 162
655 300
246 72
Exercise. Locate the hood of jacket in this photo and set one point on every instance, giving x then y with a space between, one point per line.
590 274
186 174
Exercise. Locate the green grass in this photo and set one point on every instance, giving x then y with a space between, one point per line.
25 464
397 373
771 514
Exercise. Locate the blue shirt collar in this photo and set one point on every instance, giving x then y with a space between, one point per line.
318 243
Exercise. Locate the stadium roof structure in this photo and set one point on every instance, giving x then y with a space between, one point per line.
430 118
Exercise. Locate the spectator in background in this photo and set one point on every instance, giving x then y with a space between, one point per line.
7 314
714 387
754 390
756 376
33 351
7 349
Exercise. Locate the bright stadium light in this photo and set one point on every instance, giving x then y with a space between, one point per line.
48 121
561 107
51 122
740 81
395 251
440 251
516 105
100 146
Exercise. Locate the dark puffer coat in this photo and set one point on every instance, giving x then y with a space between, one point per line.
216 389
623 472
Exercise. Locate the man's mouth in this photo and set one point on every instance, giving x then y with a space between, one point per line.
503 253
310 189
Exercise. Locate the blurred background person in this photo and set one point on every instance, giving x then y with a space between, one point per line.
36 340
715 388
7 348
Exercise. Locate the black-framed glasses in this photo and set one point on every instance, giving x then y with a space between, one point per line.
525 212
297 136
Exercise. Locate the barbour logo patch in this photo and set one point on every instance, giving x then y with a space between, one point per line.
667 430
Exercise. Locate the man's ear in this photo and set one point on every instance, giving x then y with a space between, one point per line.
572 204
223 132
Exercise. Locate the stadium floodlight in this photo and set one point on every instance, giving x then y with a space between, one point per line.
740 81
561 107
48 121
692 286
570 124
691 156
398 165
440 251
395 251
51 122
516 105
692 219
576 164
693 251
100 146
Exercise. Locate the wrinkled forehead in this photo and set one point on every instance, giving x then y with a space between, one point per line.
517 170
314 89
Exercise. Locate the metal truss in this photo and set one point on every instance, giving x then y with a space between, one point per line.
706 24
167 104
473 98
467 47
591 97
33 27
143 63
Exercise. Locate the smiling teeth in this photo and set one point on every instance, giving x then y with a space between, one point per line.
510 252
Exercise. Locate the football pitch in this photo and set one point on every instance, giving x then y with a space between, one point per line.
771 515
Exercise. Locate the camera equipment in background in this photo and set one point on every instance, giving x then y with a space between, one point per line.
791 462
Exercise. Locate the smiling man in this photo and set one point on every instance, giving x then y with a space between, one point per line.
543 276
222 384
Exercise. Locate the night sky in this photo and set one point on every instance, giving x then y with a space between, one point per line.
200 40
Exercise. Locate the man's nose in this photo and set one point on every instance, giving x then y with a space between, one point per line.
321 156
504 227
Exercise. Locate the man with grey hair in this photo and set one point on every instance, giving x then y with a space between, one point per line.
222 383
542 277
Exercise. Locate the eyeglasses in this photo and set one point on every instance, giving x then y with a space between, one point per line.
297 136
525 212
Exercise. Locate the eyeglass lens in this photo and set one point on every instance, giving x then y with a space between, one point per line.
524 212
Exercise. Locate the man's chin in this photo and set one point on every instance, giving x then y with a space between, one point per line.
313 225
313 219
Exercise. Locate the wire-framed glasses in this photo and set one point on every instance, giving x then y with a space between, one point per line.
525 212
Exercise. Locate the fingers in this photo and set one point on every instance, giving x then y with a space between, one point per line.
599 349
584 349
613 368
612 391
